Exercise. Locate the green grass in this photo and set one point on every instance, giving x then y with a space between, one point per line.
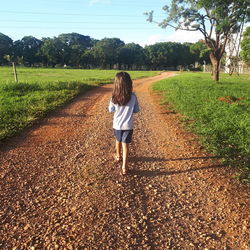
224 128
41 90
34 75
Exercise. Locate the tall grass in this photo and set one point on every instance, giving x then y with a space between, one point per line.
219 112
41 90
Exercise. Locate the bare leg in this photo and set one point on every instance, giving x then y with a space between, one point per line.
125 151
118 147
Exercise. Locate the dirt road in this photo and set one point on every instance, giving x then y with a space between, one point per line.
61 189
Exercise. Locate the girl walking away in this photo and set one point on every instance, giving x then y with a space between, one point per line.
123 103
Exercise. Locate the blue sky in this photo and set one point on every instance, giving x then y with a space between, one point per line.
123 19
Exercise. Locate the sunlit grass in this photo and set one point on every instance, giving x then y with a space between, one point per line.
31 75
219 112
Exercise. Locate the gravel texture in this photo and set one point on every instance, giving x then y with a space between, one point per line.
60 187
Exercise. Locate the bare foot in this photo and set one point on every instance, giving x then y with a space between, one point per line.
124 171
117 158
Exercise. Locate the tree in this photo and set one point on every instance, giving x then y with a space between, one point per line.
130 55
215 19
186 57
75 44
106 51
245 46
53 51
88 59
27 48
158 56
167 54
18 51
5 47
199 52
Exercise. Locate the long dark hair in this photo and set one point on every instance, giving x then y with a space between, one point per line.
122 89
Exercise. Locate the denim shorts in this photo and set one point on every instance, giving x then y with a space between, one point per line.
124 136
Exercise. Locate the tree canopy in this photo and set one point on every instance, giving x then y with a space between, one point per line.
131 54
5 47
106 51
215 19
199 52
27 48
167 54
245 46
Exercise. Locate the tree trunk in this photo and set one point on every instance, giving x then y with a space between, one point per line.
215 67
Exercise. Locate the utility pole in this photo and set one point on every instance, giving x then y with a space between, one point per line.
15 73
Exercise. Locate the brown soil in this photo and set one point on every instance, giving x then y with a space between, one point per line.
61 189
230 99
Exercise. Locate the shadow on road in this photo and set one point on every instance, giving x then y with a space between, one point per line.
160 172
154 159
152 173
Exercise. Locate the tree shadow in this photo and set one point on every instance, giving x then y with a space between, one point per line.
155 159
153 173
168 113
65 115
160 172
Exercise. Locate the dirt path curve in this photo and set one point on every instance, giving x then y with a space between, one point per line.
60 188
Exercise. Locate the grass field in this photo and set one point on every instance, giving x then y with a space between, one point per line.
218 112
41 90
35 75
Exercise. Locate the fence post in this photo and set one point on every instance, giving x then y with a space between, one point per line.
15 73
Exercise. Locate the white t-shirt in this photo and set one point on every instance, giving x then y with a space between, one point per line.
123 115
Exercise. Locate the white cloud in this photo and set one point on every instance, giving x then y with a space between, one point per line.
178 36
92 2
156 39
185 36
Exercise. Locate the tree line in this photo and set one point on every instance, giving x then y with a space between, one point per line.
80 51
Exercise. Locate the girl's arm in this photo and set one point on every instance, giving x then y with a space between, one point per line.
136 107
111 106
